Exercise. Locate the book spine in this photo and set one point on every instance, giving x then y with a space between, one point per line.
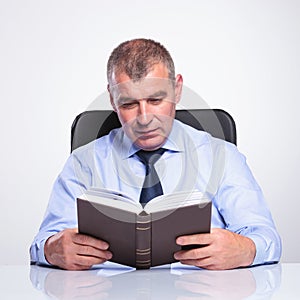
143 241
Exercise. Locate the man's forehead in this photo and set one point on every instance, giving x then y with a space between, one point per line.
143 88
157 70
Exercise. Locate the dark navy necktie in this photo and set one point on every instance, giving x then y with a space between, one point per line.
152 186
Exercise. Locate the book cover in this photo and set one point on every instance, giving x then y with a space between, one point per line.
142 237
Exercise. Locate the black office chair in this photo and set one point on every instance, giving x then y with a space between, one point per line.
93 124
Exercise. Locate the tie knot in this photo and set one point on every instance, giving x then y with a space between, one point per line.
150 157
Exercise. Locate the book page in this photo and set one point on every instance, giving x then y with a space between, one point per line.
105 191
112 199
116 199
176 200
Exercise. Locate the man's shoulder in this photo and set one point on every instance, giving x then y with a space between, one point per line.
101 144
201 137
198 136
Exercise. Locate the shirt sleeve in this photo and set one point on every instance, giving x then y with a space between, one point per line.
241 203
61 212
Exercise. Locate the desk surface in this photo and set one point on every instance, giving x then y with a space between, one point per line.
111 281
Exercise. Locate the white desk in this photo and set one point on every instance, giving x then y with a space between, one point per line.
281 281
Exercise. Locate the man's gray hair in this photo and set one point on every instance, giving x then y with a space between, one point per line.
137 57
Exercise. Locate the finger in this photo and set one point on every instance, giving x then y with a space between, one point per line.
85 250
201 263
86 262
79 262
199 253
196 239
82 239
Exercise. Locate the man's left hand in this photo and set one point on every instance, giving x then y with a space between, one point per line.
223 250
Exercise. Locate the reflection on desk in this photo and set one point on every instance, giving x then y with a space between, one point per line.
112 281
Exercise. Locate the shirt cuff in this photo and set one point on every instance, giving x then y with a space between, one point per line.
37 254
260 245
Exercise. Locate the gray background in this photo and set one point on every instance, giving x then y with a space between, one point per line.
242 56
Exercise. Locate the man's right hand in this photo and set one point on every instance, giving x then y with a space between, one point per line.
71 250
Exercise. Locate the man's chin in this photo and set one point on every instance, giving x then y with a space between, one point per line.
149 144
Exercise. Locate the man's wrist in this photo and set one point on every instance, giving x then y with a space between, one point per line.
47 251
250 249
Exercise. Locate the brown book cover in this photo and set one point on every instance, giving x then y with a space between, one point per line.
143 237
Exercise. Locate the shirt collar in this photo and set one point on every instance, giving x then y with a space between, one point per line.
174 142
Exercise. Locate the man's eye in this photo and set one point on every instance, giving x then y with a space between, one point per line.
155 101
128 105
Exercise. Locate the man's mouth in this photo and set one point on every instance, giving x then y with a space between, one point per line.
146 134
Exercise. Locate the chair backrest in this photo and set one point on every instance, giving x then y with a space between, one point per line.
93 124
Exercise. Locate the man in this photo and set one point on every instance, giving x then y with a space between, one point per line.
144 92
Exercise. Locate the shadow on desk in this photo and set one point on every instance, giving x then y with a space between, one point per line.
112 281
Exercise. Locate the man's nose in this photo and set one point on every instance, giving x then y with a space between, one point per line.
145 115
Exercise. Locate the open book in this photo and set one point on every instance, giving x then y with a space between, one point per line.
139 236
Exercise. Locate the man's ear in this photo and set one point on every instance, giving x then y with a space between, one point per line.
111 99
178 88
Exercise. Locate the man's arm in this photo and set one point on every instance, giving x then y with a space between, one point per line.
73 251
55 242
223 250
248 235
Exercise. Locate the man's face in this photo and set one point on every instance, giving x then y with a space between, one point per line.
146 109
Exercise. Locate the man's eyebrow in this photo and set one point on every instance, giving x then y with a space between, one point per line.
123 99
126 99
158 94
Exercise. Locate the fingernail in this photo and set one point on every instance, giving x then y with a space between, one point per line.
179 241
105 246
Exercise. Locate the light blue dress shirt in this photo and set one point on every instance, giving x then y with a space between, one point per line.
193 160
